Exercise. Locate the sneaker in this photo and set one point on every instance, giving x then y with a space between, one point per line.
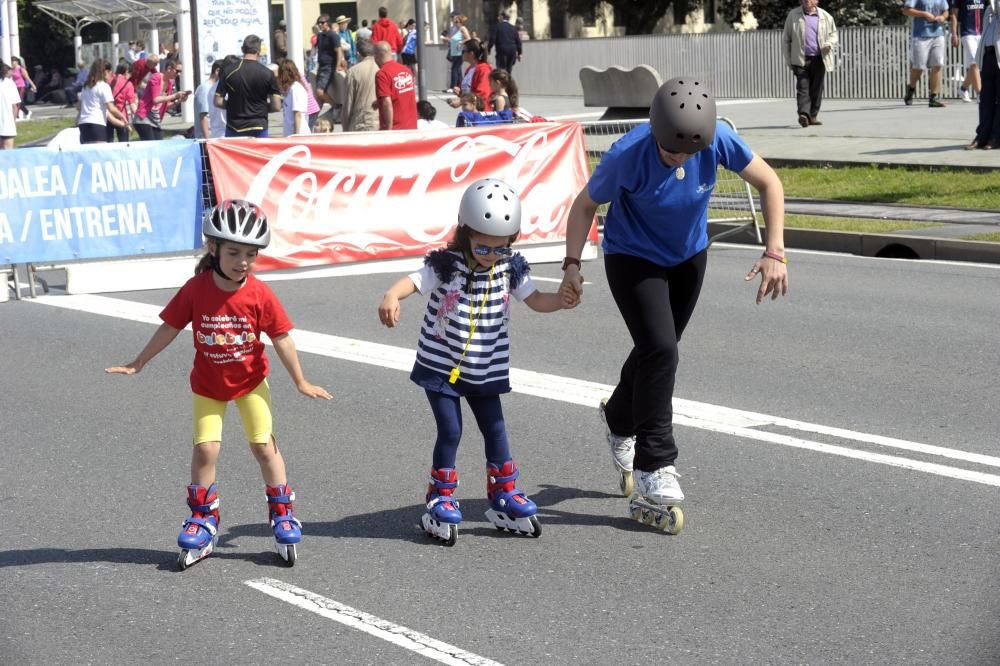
659 487
966 97
935 103
622 448
908 97
804 120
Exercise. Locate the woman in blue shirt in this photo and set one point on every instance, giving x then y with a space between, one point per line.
658 179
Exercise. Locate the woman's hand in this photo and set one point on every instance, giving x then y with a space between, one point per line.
773 278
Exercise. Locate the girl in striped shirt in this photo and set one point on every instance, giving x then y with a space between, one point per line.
463 350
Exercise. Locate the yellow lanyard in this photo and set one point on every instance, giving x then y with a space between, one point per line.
474 319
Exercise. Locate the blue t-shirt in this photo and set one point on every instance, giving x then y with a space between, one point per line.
922 28
970 16
654 214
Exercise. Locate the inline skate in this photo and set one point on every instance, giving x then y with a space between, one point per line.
200 532
442 517
622 453
510 508
657 499
287 528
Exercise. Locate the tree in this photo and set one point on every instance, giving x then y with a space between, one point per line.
639 16
770 14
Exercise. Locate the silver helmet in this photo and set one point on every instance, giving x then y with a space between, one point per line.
682 115
490 206
238 221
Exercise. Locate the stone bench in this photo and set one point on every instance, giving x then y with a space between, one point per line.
625 92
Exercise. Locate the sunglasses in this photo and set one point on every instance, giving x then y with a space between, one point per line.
485 250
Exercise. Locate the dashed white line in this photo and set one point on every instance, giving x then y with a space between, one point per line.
375 626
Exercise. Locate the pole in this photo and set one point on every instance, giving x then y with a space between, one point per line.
187 56
421 68
4 38
78 46
293 31
12 31
154 38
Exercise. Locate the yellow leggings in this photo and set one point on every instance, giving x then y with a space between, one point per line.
255 412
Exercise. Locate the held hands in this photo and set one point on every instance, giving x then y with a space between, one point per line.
773 278
571 288
388 311
312 391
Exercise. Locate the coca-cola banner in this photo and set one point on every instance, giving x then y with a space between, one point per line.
336 198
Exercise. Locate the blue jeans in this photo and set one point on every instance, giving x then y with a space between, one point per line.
447 411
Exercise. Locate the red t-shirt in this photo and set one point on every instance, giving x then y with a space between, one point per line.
229 361
395 81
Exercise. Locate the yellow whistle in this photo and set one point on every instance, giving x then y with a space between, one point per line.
454 376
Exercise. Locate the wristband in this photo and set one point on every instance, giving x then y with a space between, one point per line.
570 261
774 255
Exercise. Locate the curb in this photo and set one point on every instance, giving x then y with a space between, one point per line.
789 162
877 245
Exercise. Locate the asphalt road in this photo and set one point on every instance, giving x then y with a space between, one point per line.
802 544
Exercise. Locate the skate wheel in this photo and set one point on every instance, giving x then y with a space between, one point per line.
499 528
452 535
292 555
536 528
648 517
626 484
673 522
182 560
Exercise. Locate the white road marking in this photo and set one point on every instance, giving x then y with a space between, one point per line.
705 416
398 635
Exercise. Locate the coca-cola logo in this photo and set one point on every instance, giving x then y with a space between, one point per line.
362 196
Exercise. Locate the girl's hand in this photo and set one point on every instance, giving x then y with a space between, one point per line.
570 299
572 283
388 310
128 369
307 389
773 278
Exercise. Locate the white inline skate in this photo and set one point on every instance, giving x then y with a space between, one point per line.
622 453
657 499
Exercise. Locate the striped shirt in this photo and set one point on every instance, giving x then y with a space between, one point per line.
457 298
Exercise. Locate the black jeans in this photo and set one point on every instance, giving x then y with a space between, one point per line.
989 99
656 304
148 132
809 85
506 60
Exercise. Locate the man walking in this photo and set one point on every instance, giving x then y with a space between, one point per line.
507 41
808 41
967 29
328 57
397 96
359 113
248 92
386 30
926 47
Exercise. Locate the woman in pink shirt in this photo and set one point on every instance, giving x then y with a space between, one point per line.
124 93
22 81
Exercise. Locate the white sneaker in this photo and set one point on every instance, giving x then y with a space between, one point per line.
622 448
966 97
659 487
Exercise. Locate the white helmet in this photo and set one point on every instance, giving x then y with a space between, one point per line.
238 221
491 207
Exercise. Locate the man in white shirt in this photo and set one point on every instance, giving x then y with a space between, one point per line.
203 96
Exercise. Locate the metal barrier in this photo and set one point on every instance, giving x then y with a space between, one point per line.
732 199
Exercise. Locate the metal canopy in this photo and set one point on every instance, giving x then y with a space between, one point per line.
78 13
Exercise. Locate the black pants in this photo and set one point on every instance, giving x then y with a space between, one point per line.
989 99
506 60
809 85
120 132
656 304
148 132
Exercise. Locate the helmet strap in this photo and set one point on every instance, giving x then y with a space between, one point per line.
218 269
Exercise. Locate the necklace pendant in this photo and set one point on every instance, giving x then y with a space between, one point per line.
680 173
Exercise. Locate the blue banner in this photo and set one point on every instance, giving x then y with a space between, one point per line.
117 200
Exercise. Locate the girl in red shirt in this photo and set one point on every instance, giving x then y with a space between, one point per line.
228 309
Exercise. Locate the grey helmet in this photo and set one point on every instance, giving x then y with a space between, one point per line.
682 115
490 206
238 221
